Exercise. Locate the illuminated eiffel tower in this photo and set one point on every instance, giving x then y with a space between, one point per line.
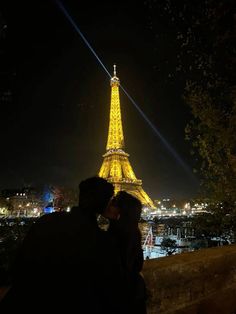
116 167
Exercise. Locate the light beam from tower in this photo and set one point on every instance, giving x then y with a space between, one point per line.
170 149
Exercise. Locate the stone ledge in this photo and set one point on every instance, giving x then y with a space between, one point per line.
193 282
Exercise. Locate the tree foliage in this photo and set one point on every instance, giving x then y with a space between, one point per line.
212 100
64 197
196 48
213 136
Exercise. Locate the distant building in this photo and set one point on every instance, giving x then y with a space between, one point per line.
23 202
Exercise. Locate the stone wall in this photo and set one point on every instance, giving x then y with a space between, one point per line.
201 282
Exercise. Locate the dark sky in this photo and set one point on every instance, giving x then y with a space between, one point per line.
55 129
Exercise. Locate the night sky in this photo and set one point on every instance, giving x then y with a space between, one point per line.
54 130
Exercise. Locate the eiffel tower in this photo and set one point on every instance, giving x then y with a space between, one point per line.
116 167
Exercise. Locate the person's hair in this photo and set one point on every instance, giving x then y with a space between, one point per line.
94 194
130 206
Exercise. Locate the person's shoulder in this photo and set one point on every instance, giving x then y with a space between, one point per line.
55 216
50 221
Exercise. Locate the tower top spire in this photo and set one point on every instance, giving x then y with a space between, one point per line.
114 72
114 79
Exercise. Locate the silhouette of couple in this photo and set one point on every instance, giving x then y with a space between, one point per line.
68 263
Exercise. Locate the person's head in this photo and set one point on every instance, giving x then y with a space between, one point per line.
125 207
94 194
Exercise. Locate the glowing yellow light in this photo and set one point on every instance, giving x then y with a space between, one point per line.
116 167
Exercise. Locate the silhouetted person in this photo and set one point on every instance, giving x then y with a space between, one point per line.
124 212
67 262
